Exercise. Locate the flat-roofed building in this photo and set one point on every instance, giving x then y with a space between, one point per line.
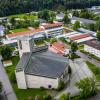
52 29
80 38
93 47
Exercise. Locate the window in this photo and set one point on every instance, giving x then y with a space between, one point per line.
20 45
49 86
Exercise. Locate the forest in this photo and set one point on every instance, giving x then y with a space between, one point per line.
9 7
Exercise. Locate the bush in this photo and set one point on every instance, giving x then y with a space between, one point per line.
42 88
69 70
61 85
37 97
29 98
47 97
13 77
64 97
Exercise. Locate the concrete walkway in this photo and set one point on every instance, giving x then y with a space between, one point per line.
79 71
6 83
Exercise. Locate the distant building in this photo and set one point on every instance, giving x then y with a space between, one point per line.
52 29
82 20
83 30
2 29
4 19
45 30
60 16
34 33
93 47
80 38
39 67
59 48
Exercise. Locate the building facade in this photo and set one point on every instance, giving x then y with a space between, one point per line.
39 67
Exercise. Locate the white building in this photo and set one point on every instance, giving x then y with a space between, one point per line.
34 33
40 67
2 29
93 47
60 16
52 29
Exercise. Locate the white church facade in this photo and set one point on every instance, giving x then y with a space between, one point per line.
39 67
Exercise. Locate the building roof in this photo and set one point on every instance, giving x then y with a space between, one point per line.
86 21
51 25
43 63
93 43
79 37
60 15
25 32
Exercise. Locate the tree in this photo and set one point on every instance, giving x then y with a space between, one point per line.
44 15
76 25
98 35
6 52
74 47
98 25
66 20
87 87
36 24
64 97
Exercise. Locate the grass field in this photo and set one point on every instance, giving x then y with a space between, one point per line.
94 69
19 30
24 16
21 93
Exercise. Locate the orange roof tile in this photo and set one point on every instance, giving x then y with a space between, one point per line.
79 36
25 32
58 46
51 25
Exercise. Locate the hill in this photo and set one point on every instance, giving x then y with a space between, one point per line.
8 7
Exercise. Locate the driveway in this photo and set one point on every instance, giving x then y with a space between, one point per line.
6 83
79 71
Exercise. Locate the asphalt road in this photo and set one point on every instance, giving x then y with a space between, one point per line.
6 83
86 57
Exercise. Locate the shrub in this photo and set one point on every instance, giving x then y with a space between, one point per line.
13 77
47 97
61 85
64 97
37 97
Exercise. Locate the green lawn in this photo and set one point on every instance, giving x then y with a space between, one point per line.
39 42
23 94
19 30
63 40
94 69
24 16
91 55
